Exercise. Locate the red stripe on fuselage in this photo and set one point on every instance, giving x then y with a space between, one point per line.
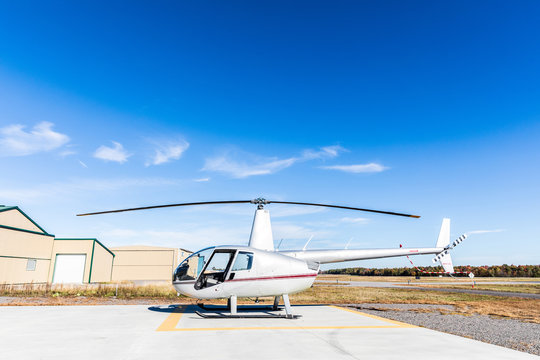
274 277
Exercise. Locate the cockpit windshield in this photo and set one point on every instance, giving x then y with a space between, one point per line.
191 267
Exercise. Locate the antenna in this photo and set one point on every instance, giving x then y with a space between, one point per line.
305 246
280 241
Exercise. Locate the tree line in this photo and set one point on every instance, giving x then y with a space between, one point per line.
481 271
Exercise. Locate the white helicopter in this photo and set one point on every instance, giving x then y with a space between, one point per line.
258 270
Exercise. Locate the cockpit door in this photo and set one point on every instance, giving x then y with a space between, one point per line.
216 269
242 266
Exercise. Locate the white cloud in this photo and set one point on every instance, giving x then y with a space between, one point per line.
83 164
202 179
355 220
167 152
116 153
265 166
358 168
78 186
485 231
67 153
326 152
241 170
278 211
15 141
192 238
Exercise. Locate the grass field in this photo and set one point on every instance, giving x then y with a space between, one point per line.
467 304
398 279
519 288
524 309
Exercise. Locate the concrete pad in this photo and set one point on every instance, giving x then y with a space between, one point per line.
137 332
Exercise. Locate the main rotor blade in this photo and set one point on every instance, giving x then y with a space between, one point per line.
169 205
343 207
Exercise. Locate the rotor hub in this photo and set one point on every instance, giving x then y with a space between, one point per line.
260 202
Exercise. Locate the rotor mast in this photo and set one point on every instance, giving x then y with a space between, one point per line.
261 231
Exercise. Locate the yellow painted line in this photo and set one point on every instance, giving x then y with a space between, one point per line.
172 320
399 323
285 328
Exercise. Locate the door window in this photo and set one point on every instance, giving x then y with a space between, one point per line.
216 269
244 261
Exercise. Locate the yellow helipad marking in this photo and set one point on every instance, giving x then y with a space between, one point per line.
173 319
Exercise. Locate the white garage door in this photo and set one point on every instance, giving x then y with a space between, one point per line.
69 269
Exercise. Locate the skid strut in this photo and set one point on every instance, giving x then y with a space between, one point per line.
232 308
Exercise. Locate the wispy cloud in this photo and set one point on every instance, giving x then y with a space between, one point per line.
67 153
117 153
239 170
202 179
485 231
326 152
357 168
16 141
355 220
83 164
291 210
78 186
192 237
264 166
167 152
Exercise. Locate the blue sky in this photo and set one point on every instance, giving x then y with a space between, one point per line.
424 107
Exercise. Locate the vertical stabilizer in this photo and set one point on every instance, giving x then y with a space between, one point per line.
446 262
444 235
261 232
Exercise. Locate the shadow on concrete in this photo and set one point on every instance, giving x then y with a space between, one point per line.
168 308
191 308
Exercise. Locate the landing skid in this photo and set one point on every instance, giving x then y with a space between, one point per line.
240 308
233 308
217 315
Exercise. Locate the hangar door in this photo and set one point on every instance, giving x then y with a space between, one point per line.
69 268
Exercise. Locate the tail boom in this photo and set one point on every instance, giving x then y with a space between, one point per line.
334 256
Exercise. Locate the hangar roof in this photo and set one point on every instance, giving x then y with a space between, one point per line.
6 208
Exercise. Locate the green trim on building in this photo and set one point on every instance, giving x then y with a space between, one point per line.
54 269
5 208
91 262
24 230
106 248
92 239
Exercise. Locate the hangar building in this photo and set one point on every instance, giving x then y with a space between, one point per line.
25 248
29 254
145 264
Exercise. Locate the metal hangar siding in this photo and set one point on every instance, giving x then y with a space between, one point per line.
29 254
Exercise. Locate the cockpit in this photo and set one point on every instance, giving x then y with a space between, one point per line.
211 266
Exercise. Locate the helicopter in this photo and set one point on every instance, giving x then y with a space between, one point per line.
259 270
